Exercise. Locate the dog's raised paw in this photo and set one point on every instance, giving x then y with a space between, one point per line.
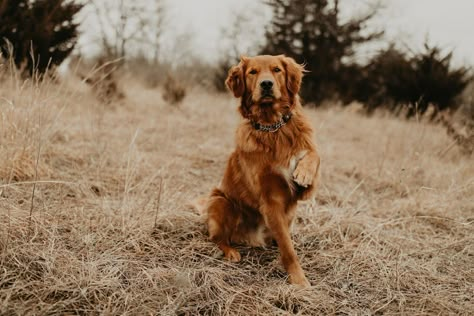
302 176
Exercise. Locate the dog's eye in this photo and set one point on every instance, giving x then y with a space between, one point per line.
277 69
252 72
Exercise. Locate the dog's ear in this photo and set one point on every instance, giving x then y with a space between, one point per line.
235 79
294 74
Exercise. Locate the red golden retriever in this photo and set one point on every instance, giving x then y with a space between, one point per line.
274 165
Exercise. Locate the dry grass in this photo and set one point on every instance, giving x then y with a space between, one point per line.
391 231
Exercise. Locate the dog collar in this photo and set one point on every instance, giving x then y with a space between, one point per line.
274 127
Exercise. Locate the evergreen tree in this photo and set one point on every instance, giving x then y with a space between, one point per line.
395 79
311 31
42 33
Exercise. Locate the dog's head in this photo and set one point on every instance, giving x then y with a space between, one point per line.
268 85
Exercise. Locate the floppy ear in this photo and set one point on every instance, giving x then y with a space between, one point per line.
294 75
235 79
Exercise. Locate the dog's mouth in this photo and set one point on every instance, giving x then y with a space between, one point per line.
267 99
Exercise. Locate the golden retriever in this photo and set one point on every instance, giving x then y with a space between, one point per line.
274 165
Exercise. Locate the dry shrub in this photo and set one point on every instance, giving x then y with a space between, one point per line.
460 125
104 83
101 77
462 133
173 91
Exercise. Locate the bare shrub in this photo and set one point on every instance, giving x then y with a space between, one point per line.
102 78
105 86
460 127
173 91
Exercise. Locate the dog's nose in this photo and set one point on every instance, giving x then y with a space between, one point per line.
266 84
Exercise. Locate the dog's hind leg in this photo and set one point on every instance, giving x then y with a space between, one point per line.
222 221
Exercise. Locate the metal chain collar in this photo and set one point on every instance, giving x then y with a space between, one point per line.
274 127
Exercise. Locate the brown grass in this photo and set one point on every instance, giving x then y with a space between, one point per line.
390 232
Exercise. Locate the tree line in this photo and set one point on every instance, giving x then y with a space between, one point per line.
39 34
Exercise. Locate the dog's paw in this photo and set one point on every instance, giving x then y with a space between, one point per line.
299 281
303 175
232 255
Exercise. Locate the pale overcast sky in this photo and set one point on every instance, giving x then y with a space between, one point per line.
449 24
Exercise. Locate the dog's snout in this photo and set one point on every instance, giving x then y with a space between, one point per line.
266 84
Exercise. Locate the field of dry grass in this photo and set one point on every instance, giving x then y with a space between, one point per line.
94 215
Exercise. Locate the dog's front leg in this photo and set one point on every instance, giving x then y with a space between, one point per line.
274 210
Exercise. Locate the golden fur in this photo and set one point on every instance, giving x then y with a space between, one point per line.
269 171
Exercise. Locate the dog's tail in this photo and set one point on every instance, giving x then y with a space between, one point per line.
200 205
